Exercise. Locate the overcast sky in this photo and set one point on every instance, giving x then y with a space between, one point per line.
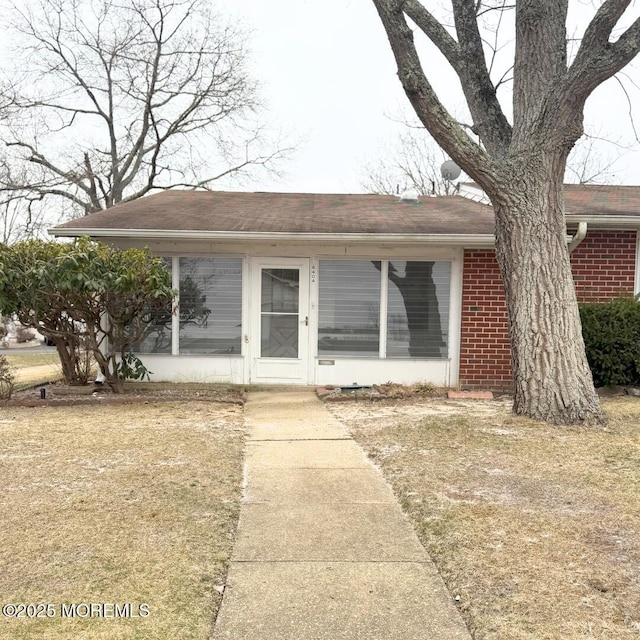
328 77
329 81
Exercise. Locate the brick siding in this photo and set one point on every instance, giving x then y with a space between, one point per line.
603 267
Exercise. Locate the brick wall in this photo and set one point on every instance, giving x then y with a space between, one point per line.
485 357
603 267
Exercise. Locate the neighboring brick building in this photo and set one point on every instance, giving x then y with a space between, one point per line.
604 267
343 289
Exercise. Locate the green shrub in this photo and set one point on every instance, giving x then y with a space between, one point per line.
611 333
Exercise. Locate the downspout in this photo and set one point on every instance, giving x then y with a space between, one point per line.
636 290
579 237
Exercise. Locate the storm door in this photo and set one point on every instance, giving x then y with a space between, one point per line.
280 324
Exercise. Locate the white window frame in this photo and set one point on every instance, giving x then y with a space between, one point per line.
455 305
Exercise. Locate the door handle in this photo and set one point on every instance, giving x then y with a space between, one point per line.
305 321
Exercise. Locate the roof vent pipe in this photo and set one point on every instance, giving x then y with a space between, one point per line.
409 196
579 237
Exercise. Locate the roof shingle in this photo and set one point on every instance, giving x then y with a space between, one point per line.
224 211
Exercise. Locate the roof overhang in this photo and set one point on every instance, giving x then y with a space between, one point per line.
459 240
451 239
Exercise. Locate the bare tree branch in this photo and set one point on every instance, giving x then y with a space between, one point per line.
120 89
489 120
435 117
540 62
599 59
629 104
588 164
411 163
467 59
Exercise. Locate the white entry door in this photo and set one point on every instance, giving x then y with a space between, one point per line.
279 343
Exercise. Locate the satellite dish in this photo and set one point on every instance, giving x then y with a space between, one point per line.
450 170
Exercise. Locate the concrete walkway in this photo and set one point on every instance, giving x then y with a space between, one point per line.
323 550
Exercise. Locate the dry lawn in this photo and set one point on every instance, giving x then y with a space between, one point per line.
118 504
33 368
21 358
535 529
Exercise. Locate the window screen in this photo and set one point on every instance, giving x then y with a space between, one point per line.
418 309
349 308
156 337
210 305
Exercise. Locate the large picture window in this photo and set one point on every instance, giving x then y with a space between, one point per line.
210 305
349 309
415 308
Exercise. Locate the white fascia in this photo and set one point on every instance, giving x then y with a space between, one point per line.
453 239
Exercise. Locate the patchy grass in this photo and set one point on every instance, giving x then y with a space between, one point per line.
118 504
22 359
40 374
34 368
535 529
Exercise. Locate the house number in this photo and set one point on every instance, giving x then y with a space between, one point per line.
313 273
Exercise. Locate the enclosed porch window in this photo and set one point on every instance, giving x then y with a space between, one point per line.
209 311
387 308
349 309
417 309
210 305
157 334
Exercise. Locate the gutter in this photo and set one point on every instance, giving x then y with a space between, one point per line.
257 236
607 222
452 239
579 237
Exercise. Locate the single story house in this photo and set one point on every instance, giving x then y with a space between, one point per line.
315 289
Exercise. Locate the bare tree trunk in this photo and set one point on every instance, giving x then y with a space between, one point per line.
74 371
67 360
552 378
107 366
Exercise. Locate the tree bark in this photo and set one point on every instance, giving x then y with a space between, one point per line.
67 361
521 168
552 378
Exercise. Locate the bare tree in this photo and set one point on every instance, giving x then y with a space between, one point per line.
116 99
21 216
520 164
413 161
18 221
589 163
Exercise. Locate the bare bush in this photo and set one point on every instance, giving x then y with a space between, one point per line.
7 380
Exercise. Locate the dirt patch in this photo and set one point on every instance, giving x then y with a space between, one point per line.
61 395
534 528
